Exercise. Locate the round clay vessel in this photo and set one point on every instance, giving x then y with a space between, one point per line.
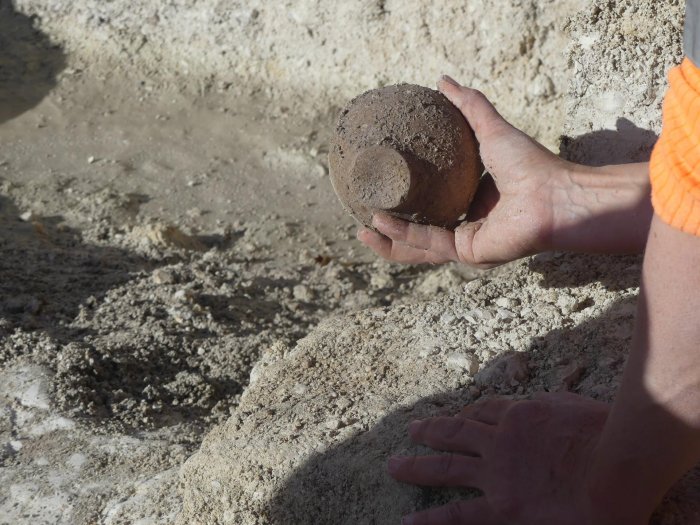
405 150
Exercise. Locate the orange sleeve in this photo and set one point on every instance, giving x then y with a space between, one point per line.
675 161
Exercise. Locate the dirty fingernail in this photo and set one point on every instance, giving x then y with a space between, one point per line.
449 80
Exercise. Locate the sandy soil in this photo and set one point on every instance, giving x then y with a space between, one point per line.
154 243
311 436
166 216
146 264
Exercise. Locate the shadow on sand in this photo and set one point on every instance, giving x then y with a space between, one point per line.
29 62
351 476
627 143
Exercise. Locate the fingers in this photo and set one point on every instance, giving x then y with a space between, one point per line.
474 246
449 470
397 252
409 243
396 243
452 434
431 238
476 108
484 243
476 511
489 412
466 243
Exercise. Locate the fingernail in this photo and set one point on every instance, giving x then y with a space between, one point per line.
383 220
449 80
408 520
394 464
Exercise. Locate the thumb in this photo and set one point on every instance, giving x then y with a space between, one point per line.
473 246
482 116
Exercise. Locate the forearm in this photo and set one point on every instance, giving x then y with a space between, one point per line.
652 435
601 209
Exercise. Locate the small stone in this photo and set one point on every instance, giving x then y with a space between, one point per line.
570 375
183 296
462 361
343 403
380 280
448 318
507 370
166 236
505 302
482 313
300 389
76 460
301 292
334 424
504 315
162 276
91 160
542 86
27 216
566 303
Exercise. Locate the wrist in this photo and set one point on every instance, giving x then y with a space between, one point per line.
603 209
611 492
608 506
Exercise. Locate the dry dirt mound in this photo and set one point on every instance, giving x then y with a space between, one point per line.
310 439
123 342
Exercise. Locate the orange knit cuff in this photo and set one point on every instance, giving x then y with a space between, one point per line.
675 161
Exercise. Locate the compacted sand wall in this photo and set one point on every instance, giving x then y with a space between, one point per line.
621 52
310 56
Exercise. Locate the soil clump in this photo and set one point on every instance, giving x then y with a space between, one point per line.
406 150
